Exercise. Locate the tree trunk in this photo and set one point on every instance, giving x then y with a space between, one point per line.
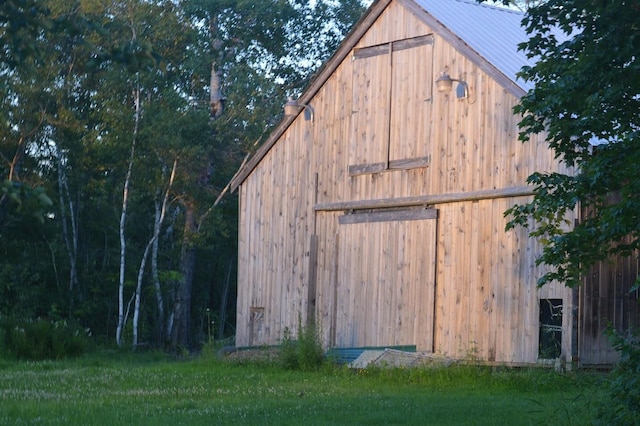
152 246
180 330
136 305
123 217
157 288
216 101
224 300
71 242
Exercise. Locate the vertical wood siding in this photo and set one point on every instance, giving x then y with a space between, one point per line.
606 300
458 284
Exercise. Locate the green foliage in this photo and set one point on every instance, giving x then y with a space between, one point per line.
304 353
31 201
622 406
22 22
586 92
41 339
67 74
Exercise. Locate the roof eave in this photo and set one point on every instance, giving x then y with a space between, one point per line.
452 38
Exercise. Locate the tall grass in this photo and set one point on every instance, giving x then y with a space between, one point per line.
41 339
152 389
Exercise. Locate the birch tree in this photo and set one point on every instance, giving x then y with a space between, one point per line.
123 218
160 213
203 81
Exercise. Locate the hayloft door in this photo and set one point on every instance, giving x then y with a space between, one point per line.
391 101
386 279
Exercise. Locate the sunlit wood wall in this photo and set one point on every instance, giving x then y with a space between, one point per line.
382 219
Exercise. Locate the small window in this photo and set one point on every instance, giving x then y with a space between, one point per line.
550 342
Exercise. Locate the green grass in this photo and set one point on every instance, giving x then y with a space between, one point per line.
152 389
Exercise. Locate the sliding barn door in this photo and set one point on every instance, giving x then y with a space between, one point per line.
386 279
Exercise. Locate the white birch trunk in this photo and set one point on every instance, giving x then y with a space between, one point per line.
159 218
156 285
123 217
216 100
136 305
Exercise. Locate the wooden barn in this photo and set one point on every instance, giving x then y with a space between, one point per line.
375 209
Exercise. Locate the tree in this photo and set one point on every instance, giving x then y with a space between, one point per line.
587 100
251 47
76 78
21 22
24 24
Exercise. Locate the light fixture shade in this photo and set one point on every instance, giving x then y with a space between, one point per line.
444 82
291 108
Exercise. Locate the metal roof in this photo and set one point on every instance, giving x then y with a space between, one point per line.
493 32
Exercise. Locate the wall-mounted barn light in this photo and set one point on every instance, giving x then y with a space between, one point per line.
445 82
292 107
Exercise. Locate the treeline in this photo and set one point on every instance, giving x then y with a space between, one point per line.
121 123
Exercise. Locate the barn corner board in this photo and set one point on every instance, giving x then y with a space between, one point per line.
381 220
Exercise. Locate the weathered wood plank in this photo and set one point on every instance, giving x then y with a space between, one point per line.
411 100
402 164
312 274
483 286
368 52
425 199
413 42
388 216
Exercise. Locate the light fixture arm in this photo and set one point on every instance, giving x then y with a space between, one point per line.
309 113
462 91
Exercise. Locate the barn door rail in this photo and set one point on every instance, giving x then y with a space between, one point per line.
420 200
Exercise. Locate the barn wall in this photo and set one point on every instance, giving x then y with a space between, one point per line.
606 300
276 222
485 301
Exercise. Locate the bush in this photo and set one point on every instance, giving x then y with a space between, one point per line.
623 406
41 339
305 353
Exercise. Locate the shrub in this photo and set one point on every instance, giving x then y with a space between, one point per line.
305 353
623 406
41 339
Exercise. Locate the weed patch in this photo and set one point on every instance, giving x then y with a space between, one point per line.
304 353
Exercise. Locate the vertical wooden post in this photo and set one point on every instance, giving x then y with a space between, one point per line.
311 287
575 319
390 101
334 321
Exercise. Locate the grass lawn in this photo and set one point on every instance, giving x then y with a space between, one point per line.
151 389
